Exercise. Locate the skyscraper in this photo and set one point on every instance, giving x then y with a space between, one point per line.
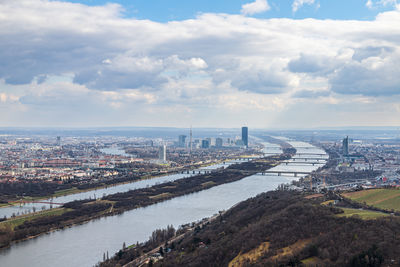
162 153
346 146
190 141
205 143
182 141
218 142
245 136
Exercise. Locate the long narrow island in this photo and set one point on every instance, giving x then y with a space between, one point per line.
77 212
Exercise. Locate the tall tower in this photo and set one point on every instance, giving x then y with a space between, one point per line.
182 141
190 144
346 146
162 153
245 136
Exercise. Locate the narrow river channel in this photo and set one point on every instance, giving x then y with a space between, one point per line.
98 193
85 244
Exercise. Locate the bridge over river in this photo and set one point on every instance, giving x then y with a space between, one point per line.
23 202
294 173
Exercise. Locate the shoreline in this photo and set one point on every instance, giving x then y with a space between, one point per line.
107 213
142 178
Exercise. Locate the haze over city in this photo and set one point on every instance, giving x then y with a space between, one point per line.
266 64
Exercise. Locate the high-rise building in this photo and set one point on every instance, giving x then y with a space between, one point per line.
218 142
346 146
58 140
162 153
190 141
211 141
245 136
205 144
182 141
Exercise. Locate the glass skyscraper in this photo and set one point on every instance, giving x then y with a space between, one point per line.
245 136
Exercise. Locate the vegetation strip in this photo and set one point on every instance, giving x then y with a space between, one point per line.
38 191
86 210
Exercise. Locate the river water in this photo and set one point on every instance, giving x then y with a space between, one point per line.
85 244
98 193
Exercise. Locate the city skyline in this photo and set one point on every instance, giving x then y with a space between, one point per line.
265 64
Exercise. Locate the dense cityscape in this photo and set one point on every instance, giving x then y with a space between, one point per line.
229 133
75 179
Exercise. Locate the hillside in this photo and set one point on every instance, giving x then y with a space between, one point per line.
284 228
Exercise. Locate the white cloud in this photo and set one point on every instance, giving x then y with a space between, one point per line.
58 55
373 4
258 6
299 3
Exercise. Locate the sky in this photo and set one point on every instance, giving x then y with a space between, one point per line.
224 63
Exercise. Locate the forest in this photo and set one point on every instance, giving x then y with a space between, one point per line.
297 230
279 228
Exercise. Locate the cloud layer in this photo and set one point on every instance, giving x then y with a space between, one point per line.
58 55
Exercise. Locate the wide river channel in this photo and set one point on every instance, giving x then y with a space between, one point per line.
84 245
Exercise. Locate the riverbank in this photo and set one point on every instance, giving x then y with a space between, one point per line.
115 182
118 203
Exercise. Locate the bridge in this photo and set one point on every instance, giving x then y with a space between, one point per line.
299 147
295 173
311 154
40 202
303 162
308 159
299 154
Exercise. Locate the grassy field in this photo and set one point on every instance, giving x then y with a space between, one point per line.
251 256
210 183
163 195
363 214
13 222
388 199
70 191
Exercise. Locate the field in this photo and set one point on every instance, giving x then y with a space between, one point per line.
363 214
388 199
251 256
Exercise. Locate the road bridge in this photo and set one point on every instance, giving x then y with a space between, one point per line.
311 154
299 154
303 163
295 173
308 159
40 202
299 147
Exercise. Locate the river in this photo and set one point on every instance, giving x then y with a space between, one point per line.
8 211
85 244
